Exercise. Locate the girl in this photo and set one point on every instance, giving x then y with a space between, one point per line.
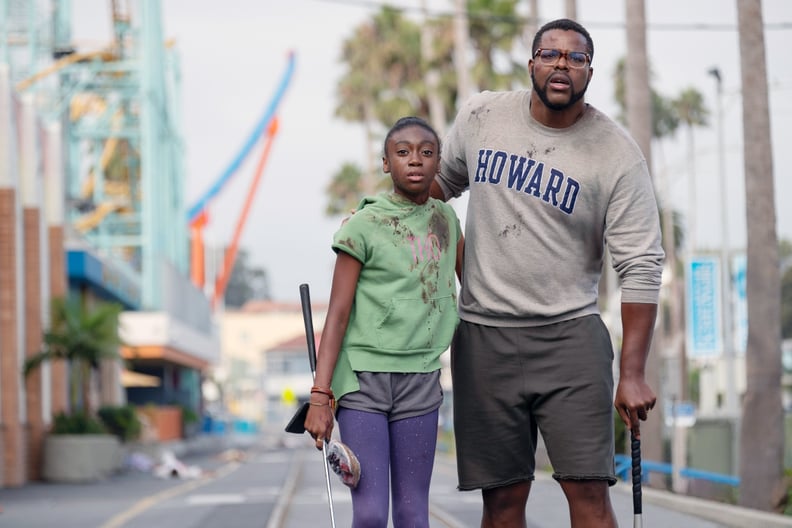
392 312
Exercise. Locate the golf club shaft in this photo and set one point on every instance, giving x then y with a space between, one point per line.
305 300
327 480
635 454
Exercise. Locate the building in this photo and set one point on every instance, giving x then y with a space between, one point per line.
265 358
91 207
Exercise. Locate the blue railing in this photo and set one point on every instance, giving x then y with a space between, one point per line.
624 465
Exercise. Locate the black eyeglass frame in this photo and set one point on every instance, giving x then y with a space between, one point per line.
565 55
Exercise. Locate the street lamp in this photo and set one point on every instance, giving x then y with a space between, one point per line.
731 406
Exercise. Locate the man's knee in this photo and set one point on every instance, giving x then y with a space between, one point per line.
504 505
589 491
589 502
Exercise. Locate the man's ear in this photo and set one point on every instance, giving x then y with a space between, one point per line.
385 165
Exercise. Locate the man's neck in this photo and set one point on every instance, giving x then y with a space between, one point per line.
556 118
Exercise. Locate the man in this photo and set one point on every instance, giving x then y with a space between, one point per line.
552 182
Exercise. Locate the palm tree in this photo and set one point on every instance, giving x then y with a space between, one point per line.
689 107
343 191
639 120
762 431
83 337
396 68
493 30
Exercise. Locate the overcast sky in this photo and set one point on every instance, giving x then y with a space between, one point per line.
233 54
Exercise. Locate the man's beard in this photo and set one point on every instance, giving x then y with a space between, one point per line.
542 93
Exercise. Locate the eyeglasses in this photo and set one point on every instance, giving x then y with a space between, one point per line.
574 59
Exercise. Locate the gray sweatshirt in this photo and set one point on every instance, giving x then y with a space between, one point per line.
543 205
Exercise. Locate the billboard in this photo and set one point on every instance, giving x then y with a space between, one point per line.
703 307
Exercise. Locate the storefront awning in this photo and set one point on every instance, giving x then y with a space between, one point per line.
136 379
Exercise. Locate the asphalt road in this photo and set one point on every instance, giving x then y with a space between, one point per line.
271 485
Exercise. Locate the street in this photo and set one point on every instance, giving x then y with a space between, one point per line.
272 485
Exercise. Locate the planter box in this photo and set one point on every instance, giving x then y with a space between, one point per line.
80 458
165 421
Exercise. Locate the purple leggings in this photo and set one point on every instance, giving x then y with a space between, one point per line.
407 448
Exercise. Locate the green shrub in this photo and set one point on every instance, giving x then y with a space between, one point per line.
76 424
122 421
189 416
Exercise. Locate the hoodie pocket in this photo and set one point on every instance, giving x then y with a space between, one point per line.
416 324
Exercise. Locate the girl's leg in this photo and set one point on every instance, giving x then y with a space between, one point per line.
366 433
413 442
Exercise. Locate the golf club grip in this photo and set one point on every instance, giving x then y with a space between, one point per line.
635 453
305 299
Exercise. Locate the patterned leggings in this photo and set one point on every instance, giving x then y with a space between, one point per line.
405 447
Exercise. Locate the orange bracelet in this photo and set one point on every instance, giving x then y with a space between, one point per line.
322 390
327 392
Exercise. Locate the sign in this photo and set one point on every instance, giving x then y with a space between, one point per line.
703 302
680 413
740 297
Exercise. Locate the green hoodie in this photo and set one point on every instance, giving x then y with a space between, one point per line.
404 313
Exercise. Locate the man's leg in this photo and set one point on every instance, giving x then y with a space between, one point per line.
504 506
589 503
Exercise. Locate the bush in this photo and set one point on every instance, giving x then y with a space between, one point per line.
76 424
189 416
122 421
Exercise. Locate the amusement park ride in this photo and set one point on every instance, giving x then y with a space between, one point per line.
124 150
198 216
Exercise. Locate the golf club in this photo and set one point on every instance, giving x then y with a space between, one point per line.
635 453
305 299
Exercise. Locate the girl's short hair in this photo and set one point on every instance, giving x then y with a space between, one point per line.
405 122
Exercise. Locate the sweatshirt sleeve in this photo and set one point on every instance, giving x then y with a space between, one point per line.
453 177
632 233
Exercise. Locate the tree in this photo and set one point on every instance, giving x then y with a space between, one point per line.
493 31
83 336
382 81
639 119
663 116
395 68
689 107
343 191
762 432
246 282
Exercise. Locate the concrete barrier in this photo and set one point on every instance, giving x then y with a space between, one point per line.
80 458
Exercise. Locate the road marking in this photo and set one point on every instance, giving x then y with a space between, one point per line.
285 498
217 498
144 504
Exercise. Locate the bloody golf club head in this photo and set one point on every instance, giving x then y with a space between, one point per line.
344 463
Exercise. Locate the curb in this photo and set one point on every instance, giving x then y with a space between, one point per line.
719 512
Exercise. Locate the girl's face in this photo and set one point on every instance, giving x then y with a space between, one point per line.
412 158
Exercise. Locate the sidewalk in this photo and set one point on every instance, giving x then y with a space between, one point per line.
90 504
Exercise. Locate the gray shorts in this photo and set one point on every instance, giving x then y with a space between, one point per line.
396 395
510 381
